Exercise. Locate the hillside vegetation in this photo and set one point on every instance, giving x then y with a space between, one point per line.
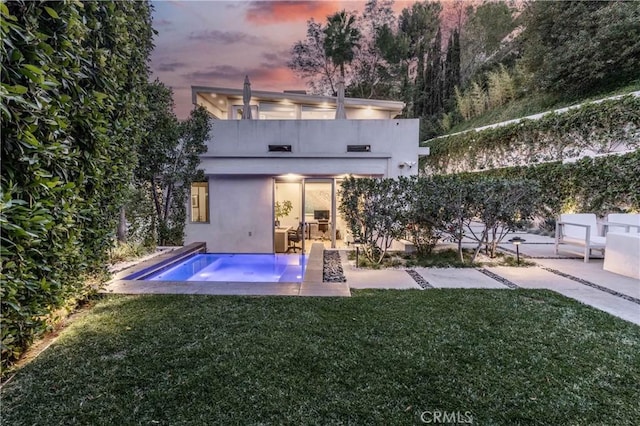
458 65
535 104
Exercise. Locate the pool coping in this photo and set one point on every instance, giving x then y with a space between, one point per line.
311 285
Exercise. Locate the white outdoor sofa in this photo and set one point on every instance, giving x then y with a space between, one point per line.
579 229
622 222
622 252
622 255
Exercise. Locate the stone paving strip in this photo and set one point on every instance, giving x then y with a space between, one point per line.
594 285
419 279
498 278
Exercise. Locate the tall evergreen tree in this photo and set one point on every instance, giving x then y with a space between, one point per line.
434 78
452 67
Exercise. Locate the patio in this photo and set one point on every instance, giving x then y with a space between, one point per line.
564 273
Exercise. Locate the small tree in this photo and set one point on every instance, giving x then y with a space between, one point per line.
375 213
425 222
168 162
501 206
454 198
282 209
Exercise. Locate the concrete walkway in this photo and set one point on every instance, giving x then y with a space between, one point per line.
565 273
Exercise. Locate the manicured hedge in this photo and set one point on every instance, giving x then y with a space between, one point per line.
72 110
600 185
600 127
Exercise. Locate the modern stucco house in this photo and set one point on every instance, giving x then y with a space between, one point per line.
293 149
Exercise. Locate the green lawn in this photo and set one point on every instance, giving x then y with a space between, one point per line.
381 357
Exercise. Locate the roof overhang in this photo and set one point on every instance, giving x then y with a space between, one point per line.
214 94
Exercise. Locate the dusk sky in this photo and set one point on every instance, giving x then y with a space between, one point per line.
215 43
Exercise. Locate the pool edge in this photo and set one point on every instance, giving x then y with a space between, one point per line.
311 284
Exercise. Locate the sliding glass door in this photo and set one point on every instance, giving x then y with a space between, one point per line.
308 204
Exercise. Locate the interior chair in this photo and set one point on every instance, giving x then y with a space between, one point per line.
295 236
323 226
579 229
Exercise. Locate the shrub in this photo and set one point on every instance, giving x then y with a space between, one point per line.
71 111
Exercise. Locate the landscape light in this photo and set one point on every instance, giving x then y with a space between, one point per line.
516 241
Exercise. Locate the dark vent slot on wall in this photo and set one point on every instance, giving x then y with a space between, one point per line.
279 148
358 148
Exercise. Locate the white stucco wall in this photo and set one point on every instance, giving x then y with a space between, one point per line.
241 216
319 147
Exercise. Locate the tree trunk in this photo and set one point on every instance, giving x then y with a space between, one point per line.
122 226
460 235
167 203
485 235
156 201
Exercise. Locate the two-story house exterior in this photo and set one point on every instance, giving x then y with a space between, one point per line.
292 150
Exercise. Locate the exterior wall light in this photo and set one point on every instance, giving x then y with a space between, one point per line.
409 164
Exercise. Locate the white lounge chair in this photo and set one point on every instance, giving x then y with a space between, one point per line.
622 222
580 229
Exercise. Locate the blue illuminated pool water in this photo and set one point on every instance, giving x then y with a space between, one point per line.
235 267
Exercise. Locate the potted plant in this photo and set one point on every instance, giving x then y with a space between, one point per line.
282 209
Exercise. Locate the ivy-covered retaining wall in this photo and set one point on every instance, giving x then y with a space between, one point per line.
598 185
72 110
598 127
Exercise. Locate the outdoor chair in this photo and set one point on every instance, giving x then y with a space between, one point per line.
295 236
622 222
579 229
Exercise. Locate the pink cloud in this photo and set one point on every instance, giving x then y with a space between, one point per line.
271 12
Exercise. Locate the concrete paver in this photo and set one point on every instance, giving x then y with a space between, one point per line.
594 273
458 278
376 278
536 277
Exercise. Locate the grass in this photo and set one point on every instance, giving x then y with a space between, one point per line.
380 357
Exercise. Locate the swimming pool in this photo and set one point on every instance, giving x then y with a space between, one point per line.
235 268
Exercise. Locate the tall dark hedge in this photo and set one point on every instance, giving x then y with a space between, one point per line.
72 109
591 185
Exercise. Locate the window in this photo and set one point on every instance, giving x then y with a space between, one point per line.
200 202
318 112
277 111
238 110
